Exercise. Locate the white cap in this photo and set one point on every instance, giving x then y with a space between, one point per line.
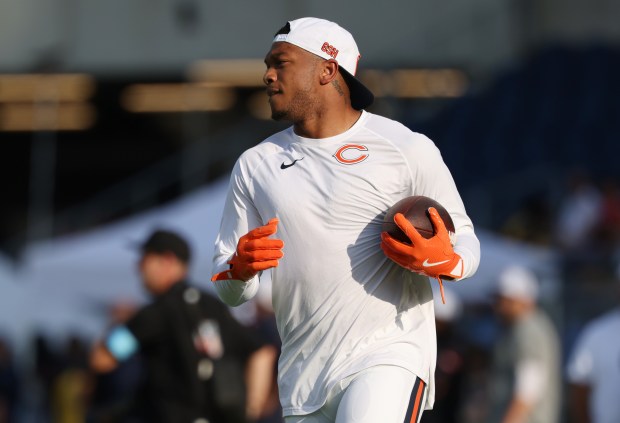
330 41
519 283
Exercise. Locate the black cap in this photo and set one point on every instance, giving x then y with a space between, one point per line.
163 241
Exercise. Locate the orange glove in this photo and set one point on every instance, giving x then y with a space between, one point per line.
433 257
255 252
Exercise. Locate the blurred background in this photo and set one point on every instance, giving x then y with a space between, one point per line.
120 116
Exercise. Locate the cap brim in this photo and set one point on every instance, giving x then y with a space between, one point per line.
361 97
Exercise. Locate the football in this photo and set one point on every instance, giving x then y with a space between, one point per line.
415 210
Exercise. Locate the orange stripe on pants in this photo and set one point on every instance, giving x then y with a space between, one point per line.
416 405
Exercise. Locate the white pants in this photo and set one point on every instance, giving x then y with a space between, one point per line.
380 394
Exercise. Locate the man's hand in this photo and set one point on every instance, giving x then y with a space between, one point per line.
255 252
433 257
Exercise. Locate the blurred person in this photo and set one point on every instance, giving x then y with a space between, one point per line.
198 359
9 384
354 306
579 214
609 227
265 324
479 328
451 361
115 391
46 368
72 386
593 369
531 222
526 373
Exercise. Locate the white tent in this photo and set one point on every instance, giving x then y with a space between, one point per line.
496 254
71 280
65 284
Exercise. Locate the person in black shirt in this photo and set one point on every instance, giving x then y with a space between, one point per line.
201 365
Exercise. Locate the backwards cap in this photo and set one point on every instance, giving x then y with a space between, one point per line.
330 41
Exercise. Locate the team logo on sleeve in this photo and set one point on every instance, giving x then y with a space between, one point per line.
350 154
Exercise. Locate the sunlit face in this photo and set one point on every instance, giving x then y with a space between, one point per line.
509 309
292 81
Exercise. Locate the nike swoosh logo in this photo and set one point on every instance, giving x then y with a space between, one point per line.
427 264
286 166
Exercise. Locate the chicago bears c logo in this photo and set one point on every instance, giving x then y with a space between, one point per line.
345 156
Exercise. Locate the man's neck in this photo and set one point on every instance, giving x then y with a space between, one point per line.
327 124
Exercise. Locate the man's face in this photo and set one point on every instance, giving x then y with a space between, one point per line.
152 268
292 80
510 309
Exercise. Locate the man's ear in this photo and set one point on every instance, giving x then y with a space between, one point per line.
329 71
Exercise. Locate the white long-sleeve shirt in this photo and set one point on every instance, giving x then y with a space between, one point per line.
341 305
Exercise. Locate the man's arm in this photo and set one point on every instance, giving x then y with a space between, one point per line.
240 218
118 345
255 252
259 379
580 403
530 386
101 360
518 411
432 178
580 373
